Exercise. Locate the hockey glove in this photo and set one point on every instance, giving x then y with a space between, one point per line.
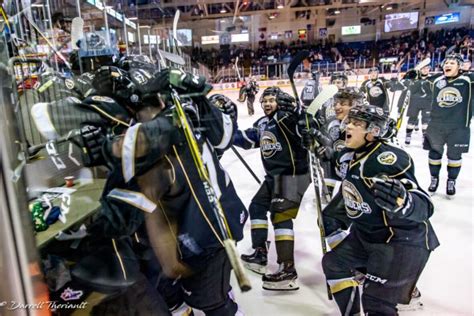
391 195
180 80
286 102
229 108
92 138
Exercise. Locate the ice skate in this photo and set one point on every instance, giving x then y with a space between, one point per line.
256 261
433 185
408 140
451 188
282 280
415 302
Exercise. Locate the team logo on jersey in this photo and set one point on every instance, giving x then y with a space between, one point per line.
69 84
269 144
100 98
441 84
387 158
355 205
334 132
449 97
375 92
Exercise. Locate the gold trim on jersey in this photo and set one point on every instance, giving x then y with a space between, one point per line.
119 257
358 160
201 209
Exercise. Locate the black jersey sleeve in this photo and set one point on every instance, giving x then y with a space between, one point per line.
396 163
218 127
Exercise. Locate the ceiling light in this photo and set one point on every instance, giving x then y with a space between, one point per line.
223 10
37 5
134 18
337 11
280 5
389 8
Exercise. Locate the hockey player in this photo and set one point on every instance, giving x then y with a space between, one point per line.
391 236
311 89
287 178
451 113
249 91
182 227
419 85
375 89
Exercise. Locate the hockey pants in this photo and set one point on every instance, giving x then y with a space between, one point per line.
457 143
392 272
282 212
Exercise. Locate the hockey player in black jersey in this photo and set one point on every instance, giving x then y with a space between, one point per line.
418 82
182 227
375 89
287 178
391 236
451 113
249 91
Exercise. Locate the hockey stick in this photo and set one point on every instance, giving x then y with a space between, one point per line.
406 103
245 164
229 243
176 59
236 65
326 94
175 32
425 62
295 62
77 28
313 161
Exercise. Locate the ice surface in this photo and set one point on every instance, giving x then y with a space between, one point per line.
447 281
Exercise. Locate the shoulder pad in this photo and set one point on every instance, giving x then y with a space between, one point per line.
391 159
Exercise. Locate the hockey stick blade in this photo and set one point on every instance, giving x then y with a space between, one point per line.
176 59
299 57
425 62
175 26
77 27
327 93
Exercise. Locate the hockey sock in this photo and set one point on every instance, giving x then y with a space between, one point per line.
258 225
454 167
434 159
347 299
284 241
409 131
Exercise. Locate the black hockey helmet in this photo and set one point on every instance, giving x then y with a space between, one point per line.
454 56
270 91
374 69
113 82
352 94
376 119
316 75
339 76
137 62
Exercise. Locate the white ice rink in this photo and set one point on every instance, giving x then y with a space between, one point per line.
447 281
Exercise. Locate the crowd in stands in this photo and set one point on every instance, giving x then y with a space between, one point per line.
415 45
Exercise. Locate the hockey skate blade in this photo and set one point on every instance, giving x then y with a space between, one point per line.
413 306
257 268
450 197
286 285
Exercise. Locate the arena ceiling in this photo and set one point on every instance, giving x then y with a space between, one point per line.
213 9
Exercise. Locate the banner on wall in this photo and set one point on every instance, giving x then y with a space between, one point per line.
288 34
323 32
